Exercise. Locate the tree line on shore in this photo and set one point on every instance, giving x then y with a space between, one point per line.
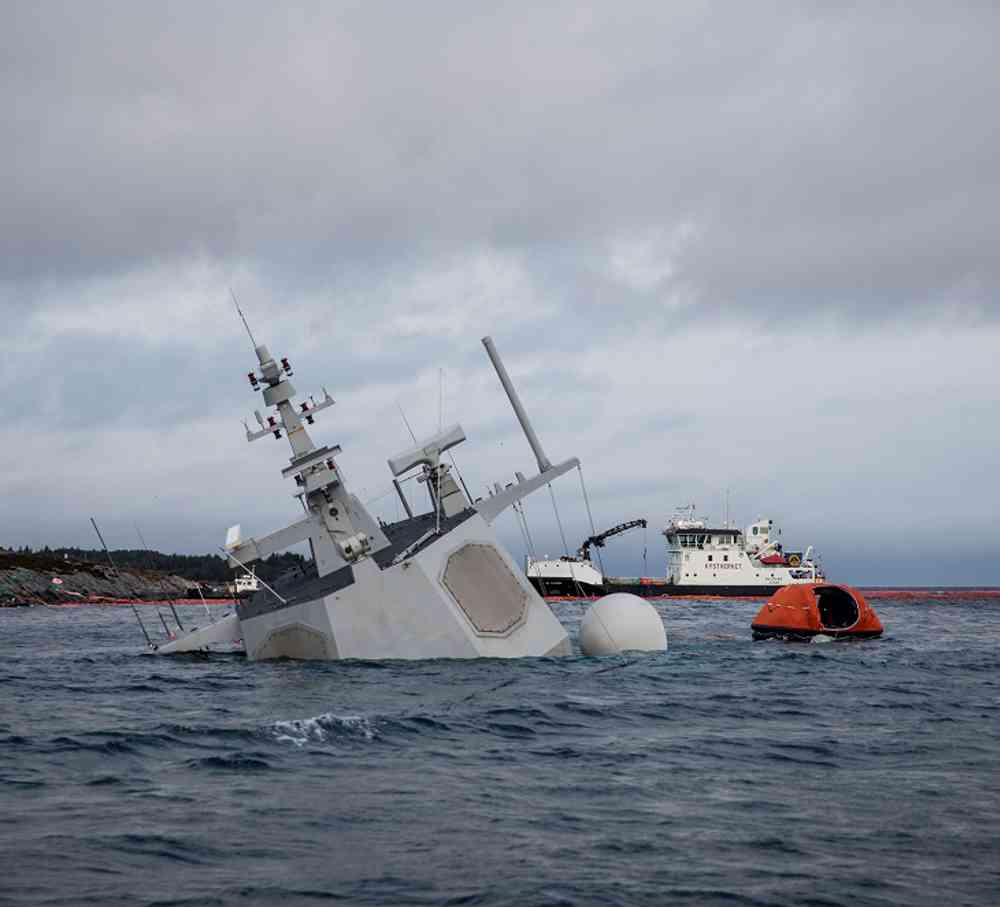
209 568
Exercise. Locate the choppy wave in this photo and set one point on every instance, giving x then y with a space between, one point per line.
725 771
324 728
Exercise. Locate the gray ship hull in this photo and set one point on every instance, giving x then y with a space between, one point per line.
458 596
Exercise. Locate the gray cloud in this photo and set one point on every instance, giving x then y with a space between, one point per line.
719 244
831 156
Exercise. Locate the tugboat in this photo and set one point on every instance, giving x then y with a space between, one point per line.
574 575
701 560
817 609
434 585
246 584
705 560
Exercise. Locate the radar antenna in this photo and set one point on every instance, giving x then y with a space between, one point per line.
239 311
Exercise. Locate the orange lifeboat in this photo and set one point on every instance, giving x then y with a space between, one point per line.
814 609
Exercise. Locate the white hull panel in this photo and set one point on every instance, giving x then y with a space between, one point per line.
459 597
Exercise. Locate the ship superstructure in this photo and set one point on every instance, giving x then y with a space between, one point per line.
702 559
434 585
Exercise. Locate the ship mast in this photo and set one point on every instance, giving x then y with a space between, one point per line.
338 528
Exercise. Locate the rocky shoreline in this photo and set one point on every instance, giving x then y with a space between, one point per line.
27 579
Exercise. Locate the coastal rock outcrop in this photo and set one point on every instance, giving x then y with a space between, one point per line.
39 578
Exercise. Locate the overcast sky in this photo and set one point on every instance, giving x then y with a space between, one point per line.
744 246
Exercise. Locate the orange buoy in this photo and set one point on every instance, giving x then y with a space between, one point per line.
814 609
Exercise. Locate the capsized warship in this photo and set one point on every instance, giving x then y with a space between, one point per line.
433 585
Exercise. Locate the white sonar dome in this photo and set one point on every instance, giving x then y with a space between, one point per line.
620 622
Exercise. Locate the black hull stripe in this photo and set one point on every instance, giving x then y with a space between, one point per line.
563 587
764 632
662 590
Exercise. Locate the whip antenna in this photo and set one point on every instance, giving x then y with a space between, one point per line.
111 561
242 318
406 421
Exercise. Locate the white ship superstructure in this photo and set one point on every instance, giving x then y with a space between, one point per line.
727 561
246 584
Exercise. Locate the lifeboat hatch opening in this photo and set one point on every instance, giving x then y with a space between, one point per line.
837 608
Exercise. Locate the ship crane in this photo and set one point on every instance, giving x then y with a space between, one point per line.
598 540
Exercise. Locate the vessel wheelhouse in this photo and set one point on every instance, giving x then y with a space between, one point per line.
725 560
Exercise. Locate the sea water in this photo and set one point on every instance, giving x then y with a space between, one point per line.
722 772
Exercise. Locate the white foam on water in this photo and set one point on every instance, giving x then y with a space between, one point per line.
323 729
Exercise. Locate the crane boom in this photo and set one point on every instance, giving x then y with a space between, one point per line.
598 540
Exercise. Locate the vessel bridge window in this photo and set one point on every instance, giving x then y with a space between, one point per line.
693 540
